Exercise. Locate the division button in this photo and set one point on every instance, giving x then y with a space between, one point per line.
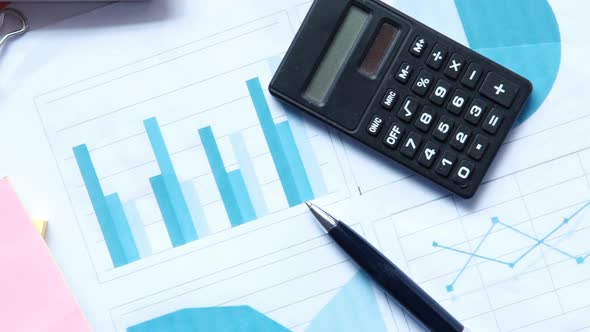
499 89
411 145
472 76
418 46
437 56
404 73
428 155
394 136
455 66
375 125
493 121
389 99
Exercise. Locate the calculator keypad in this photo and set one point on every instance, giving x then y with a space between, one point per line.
447 112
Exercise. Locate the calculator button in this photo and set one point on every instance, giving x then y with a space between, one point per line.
443 128
460 138
428 155
475 111
394 135
454 66
389 99
440 92
499 89
478 147
375 125
445 164
464 172
411 145
418 46
493 121
404 73
472 76
408 109
458 101
424 121
437 56
422 83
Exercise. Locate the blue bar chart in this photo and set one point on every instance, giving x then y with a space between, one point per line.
178 202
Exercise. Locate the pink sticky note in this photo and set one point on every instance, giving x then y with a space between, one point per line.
34 296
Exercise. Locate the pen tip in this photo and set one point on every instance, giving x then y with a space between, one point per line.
309 205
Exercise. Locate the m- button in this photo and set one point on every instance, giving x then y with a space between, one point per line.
499 89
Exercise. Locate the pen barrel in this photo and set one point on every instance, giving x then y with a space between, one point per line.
394 281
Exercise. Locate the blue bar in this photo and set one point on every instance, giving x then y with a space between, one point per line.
122 225
295 117
170 179
221 178
99 203
138 229
295 163
241 193
310 162
274 143
194 205
249 175
167 210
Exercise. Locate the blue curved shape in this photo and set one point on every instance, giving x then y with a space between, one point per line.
522 35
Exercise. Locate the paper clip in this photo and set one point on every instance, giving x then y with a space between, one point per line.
20 16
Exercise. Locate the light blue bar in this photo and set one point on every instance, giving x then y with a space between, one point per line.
295 118
138 229
168 214
241 193
194 205
274 143
295 162
249 175
221 178
310 161
174 192
122 225
100 206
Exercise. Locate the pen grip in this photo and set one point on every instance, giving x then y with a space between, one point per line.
393 280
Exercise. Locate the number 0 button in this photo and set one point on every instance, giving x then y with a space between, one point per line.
464 172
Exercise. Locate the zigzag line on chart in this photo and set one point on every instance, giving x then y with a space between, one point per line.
537 242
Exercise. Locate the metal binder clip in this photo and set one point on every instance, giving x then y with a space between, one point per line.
20 16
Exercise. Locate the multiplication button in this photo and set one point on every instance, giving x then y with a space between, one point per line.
454 66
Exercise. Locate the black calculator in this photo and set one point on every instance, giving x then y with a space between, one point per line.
403 89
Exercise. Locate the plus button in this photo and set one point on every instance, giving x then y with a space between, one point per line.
499 89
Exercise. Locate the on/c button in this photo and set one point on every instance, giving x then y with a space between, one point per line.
375 125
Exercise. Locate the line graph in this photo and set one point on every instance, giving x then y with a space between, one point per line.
496 222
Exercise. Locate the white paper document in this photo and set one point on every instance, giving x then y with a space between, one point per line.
174 182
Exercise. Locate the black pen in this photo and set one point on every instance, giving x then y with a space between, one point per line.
393 280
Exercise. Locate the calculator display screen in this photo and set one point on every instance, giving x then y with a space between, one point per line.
335 57
379 48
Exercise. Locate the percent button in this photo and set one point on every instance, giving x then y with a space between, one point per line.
422 83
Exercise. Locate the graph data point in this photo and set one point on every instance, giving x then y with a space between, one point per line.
580 260
435 244
511 265
495 220
450 288
566 220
